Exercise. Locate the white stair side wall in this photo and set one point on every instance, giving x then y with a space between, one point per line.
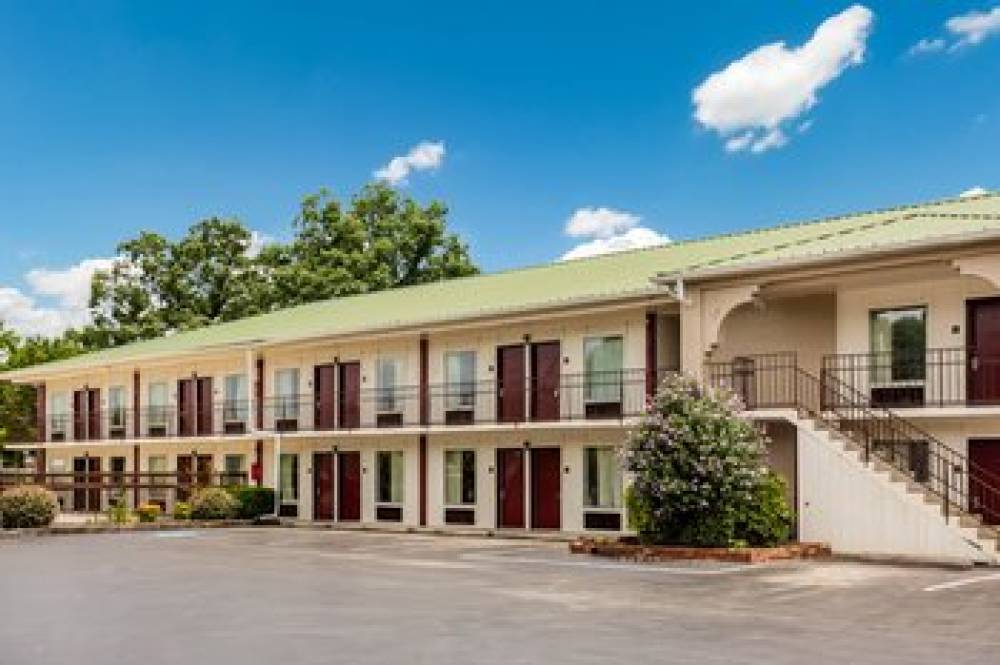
857 511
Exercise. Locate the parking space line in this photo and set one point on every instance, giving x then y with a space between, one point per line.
965 581
602 565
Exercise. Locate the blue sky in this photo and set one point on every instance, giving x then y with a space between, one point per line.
116 117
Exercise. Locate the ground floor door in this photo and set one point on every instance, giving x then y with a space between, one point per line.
185 477
510 488
349 487
984 479
322 486
546 488
983 330
87 484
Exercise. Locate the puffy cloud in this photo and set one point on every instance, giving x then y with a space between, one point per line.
973 192
747 101
964 30
68 291
927 46
609 230
425 156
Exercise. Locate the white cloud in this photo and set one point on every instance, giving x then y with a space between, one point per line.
68 290
425 156
974 27
973 192
747 101
964 30
609 230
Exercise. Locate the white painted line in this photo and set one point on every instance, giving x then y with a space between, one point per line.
607 565
965 581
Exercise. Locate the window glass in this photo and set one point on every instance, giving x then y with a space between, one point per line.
236 398
158 404
116 407
387 371
234 466
287 388
460 477
157 464
460 376
390 476
899 344
602 358
288 480
60 412
602 479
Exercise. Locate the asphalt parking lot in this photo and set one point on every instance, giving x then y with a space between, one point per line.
302 596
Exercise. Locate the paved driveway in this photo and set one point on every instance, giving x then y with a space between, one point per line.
300 596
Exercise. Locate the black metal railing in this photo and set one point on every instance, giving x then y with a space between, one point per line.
939 377
229 417
776 381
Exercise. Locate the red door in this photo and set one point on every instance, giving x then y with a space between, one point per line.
349 487
187 412
94 414
185 477
323 379
983 326
79 415
545 361
87 484
545 488
510 488
984 479
205 407
322 486
350 395
510 383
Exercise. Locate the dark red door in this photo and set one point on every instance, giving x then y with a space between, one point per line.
984 479
205 470
545 361
205 406
80 484
94 413
510 383
545 488
187 409
510 488
79 415
323 379
322 486
983 328
349 487
350 395
185 477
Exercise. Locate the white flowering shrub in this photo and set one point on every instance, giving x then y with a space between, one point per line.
699 472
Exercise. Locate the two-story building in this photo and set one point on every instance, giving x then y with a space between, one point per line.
867 345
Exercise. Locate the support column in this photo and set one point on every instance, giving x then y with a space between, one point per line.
276 476
136 405
259 393
259 463
135 470
652 379
425 412
41 419
526 469
41 468
423 480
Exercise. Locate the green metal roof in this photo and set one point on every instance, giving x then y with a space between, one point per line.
584 280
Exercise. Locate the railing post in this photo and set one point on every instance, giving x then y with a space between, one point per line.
947 489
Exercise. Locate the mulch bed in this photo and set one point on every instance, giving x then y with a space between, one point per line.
633 551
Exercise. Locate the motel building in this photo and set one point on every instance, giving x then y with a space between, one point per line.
867 346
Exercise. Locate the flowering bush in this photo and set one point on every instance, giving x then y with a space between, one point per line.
148 512
699 472
27 507
214 503
182 510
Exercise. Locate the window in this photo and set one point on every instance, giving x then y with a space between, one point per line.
116 408
459 477
235 406
460 377
602 478
60 414
602 359
390 476
288 480
387 371
912 456
234 466
157 465
287 388
158 404
899 344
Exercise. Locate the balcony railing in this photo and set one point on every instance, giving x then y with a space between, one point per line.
572 397
218 419
940 377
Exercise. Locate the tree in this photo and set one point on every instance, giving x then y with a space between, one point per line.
699 470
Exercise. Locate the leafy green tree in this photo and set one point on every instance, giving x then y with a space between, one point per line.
699 472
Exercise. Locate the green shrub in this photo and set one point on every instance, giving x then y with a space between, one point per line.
148 512
182 510
28 507
699 472
214 503
118 512
253 501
